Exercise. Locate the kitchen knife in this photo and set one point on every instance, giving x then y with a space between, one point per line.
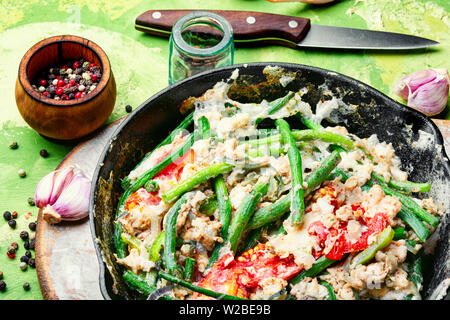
253 28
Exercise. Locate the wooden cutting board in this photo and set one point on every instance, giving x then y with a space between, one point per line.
66 261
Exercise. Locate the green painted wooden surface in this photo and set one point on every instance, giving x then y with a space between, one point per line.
139 63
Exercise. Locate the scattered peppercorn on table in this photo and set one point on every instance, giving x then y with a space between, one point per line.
140 65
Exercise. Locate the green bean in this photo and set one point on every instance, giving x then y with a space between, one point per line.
170 236
252 238
199 177
414 222
277 104
295 162
309 122
244 213
189 269
307 135
157 246
400 233
409 187
331 294
182 126
151 186
383 240
277 209
198 289
132 241
203 128
408 202
164 163
415 269
337 172
321 264
270 213
280 102
209 206
134 282
225 209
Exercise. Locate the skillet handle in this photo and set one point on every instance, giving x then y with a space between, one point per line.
248 26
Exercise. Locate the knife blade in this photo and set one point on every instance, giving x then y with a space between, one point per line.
256 28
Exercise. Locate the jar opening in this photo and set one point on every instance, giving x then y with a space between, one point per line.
202 33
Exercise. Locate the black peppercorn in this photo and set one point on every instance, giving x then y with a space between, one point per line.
32 244
13 145
26 286
15 245
7 215
2 286
12 223
128 108
32 263
24 259
44 153
26 245
31 201
28 254
32 226
24 235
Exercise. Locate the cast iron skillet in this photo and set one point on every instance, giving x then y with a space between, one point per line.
372 112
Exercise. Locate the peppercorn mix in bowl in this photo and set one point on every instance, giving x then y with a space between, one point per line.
72 109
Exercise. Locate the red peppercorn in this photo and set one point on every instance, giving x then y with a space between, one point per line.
64 67
76 64
78 95
43 82
58 77
94 77
61 83
45 93
67 86
64 97
59 91
72 83
91 66
14 214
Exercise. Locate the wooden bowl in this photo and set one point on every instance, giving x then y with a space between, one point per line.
64 119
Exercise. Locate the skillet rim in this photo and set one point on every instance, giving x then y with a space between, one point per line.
147 104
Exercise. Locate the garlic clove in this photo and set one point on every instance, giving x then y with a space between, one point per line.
411 82
62 179
73 202
430 98
425 90
51 186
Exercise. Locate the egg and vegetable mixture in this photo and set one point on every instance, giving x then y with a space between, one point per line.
231 211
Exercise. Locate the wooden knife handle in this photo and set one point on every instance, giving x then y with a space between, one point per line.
248 26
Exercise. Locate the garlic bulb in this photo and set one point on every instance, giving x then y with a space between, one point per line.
63 195
425 91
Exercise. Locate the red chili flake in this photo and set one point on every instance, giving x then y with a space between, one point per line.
11 255
14 214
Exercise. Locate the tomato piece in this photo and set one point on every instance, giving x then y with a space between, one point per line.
241 276
175 169
142 198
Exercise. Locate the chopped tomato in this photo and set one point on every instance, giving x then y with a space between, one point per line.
342 244
241 276
175 169
142 198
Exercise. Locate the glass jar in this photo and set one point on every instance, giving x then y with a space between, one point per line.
200 41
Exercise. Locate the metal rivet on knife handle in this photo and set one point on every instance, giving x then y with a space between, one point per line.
293 24
250 20
156 15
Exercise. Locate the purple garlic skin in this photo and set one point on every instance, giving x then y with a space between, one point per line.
63 195
425 91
